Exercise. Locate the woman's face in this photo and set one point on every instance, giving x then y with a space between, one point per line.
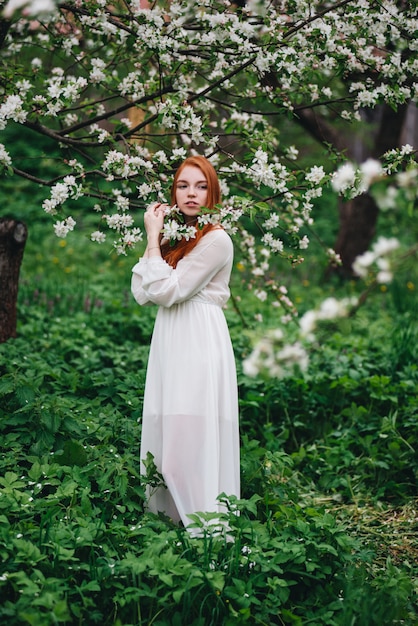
191 190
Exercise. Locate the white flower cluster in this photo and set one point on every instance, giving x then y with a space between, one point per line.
132 85
123 224
330 309
275 244
254 124
174 231
273 358
98 72
333 257
60 192
273 175
98 236
378 257
353 181
64 227
12 109
124 165
174 227
31 7
395 157
5 159
316 174
182 119
229 216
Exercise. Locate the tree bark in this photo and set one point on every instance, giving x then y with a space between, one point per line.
358 219
13 235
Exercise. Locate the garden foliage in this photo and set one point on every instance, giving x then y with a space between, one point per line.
325 457
325 532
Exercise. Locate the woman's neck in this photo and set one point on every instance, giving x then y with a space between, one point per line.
190 220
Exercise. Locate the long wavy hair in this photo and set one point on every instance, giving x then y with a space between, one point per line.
173 253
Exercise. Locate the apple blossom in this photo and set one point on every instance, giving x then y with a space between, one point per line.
377 258
272 357
63 227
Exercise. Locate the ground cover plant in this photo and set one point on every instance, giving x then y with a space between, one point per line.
327 521
99 103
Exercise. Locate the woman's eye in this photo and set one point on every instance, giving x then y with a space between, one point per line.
202 187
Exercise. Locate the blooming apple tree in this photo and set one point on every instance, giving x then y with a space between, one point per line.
127 89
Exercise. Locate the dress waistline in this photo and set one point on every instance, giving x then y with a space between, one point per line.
200 301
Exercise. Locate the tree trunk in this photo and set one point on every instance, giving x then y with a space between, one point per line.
358 218
13 235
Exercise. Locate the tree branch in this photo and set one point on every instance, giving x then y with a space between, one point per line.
331 7
319 128
109 114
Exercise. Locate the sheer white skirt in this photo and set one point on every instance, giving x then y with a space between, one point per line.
190 416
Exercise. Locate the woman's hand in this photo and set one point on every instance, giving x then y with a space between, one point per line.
154 222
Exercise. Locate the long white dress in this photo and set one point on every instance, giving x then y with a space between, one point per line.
190 414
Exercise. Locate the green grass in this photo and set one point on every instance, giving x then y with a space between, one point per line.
327 527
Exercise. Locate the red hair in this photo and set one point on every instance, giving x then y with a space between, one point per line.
173 254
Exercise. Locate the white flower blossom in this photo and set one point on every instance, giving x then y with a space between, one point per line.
12 109
329 309
343 178
292 153
304 242
362 263
121 202
261 294
316 174
384 277
119 221
64 227
98 236
383 247
32 7
409 178
5 158
276 245
406 149
272 222
370 171
97 74
273 358
174 231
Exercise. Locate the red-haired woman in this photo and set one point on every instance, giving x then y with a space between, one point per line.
190 415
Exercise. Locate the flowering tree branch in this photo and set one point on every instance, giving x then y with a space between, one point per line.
124 93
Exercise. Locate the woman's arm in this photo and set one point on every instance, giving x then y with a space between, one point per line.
153 280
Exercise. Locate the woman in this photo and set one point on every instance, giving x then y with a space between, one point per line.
190 416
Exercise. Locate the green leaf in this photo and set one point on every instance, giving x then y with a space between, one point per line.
25 395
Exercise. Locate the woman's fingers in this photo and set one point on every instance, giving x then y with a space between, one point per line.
157 207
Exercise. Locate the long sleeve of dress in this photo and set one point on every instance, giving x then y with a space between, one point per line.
154 280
